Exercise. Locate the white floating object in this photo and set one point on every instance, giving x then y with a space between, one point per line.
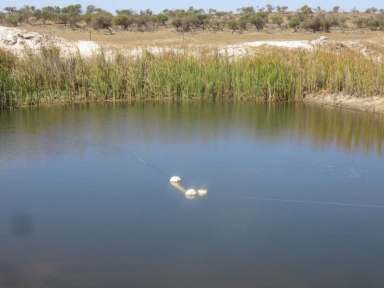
202 192
190 193
175 179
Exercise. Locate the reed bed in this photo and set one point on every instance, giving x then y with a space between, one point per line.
276 75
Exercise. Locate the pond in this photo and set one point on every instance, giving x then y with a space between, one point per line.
295 196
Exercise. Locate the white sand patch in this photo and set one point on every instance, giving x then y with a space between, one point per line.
236 50
244 48
17 41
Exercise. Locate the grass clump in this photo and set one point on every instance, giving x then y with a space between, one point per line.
45 77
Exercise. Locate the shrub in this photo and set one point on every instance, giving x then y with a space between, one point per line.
318 23
375 23
162 18
243 23
277 20
124 21
294 22
12 20
216 25
233 25
101 20
360 22
258 21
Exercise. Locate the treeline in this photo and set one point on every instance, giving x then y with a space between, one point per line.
246 18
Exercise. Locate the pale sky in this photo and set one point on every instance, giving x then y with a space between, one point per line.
158 5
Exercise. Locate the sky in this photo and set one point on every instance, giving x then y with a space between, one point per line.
159 5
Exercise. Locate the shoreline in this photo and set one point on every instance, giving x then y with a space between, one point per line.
362 104
371 105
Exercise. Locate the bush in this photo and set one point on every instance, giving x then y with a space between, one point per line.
317 24
360 22
124 21
233 25
216 25
162 19
376 23
12 20
101 20
294 22
177 23
277 20
258 21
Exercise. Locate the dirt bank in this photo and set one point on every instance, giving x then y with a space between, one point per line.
368 104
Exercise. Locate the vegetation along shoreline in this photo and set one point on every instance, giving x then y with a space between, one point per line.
274 75
348 73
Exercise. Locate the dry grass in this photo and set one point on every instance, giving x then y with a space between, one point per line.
168 37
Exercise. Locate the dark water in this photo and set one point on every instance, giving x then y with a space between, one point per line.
295 197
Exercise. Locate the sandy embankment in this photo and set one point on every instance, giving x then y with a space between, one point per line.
17 40
367 104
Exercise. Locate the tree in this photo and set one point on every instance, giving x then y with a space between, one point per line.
2 17
101 20
146 12
162 18
336 9
47 14
277 20
270 8
243 24
216 25
371 10
318 23
247 10
10 10
26 13
281 9
233 25
306 11
71 14
177 23
375 23
360 22
12 19
258 21
294 22
90 9
212 11
124 21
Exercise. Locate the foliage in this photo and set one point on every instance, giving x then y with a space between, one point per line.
273 75
192 19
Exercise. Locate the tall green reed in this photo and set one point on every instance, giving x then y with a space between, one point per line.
276 75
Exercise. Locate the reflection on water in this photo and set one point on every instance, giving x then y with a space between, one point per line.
322 126
295 197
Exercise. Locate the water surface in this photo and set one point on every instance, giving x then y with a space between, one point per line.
295 197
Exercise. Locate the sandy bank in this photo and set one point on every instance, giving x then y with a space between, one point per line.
17 40
368 104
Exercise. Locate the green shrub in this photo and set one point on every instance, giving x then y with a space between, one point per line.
294 22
